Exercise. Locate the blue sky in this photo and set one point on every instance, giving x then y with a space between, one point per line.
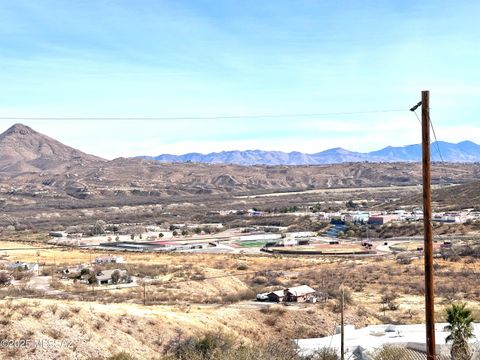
208 58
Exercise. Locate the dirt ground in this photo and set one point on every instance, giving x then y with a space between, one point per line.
193 293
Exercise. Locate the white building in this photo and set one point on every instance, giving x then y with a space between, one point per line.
109 259
301 234
23 266
362 342
260 237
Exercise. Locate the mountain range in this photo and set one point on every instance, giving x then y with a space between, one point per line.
23 150
38 172
463 152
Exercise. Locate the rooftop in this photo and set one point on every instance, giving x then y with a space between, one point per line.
300 290
375 336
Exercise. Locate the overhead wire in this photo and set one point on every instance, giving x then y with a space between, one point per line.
434 134
212 117
435 137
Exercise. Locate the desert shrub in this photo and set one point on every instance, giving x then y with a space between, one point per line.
53 308
260 280
388 296
98 324
65 315
404 259
450 255
269 278
120 356
238 296
361 311
470 250
200 347
271 321
75 309
37 314
55 333
392 306
219 346
46 271
336 293
242 266
273 310
391 352
19 274
325 354
5 278
198 277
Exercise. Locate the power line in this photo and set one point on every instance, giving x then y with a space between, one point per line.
420 121
433 130
213 117
436 140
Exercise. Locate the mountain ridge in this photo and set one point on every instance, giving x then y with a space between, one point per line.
464 151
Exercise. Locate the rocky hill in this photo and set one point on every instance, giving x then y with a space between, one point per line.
23 150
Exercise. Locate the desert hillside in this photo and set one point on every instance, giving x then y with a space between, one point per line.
23 150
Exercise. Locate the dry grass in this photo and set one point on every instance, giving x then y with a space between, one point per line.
98 330
189 293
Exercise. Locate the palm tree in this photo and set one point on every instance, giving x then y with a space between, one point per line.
460 320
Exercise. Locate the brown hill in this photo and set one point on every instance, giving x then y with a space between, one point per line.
23 150
459 196
36 170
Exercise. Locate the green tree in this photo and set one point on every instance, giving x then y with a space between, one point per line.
460 320
92 278
350 204
5 278
116 277
99 227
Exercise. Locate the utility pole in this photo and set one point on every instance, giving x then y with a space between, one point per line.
342 325
324 296
427 225
144 292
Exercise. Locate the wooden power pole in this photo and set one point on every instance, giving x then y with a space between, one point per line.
427 224
342 327
144 292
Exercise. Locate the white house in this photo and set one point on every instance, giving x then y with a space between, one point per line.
23 266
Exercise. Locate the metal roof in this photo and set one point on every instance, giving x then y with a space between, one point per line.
301 290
